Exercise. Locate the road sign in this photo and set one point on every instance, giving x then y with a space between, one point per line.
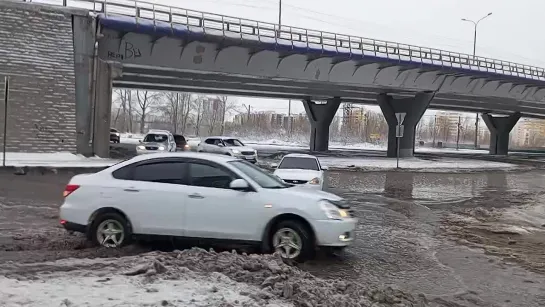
400 118
399 131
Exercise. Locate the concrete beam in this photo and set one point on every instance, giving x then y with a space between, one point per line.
414 108
84 36
106 72
499 128
320 117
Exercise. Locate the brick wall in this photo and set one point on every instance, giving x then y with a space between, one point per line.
37 53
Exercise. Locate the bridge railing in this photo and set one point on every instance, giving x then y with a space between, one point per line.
298 37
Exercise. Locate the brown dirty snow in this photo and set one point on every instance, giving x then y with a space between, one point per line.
276 279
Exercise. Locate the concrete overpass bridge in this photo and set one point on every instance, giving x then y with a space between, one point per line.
155 47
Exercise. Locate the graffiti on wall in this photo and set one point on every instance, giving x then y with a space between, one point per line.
126 52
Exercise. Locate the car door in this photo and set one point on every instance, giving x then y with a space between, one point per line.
215 211
155 196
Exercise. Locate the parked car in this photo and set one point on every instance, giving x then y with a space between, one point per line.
115 137
301 169
156 141
228 146
193 142
204 196
181 143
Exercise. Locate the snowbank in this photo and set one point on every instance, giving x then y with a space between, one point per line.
129 138
54 159
436 165
188 278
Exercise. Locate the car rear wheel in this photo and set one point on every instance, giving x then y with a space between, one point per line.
292 240
111 230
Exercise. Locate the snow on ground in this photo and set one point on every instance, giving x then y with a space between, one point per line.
54 159
129 138
88 289
436 165
192 277
451 150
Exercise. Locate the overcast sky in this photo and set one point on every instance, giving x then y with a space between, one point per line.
513 32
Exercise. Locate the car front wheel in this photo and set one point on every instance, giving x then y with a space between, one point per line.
292 240
110 230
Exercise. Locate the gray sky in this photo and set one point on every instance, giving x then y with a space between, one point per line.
507 34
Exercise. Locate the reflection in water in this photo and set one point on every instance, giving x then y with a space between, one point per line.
400 217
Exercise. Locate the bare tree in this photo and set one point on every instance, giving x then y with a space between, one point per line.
176 107
145 101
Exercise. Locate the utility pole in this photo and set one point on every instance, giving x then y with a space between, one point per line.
458 133
279 16
434 129
475 24
289 118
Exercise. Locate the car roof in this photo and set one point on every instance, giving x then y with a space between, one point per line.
298 155
158 131
184 154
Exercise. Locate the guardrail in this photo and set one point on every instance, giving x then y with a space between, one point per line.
262 31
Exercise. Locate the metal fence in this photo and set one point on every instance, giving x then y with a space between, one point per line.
167 20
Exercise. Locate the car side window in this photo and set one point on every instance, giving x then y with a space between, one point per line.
163 172
204 175
210 141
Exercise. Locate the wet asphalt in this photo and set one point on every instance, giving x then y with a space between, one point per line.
401 237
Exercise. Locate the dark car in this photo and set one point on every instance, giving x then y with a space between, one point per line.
181 143
114 135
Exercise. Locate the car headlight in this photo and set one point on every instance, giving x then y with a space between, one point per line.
235 151
141 147
161 147
314 181
333 212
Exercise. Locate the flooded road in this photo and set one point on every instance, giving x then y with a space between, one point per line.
445 235
461 239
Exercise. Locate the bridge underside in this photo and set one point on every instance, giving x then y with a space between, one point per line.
212 64
138 77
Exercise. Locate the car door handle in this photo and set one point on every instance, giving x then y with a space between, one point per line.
198 196
131 190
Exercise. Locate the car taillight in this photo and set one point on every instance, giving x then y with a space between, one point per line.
70 188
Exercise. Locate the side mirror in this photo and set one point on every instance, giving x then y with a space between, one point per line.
139 141
274 165
325 168
239 185
221 145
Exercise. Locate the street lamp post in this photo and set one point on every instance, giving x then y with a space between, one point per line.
475 24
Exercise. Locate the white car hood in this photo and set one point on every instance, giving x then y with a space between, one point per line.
310 193
297 174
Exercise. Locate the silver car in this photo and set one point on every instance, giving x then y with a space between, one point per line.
156 141
228 146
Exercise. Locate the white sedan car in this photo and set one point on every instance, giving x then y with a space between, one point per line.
204 196
301 169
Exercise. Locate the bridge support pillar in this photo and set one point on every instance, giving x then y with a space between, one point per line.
102 104
84 36
499 128
320 117
414 108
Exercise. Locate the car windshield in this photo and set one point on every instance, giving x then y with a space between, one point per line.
232 142
264 179
155 138
299 163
